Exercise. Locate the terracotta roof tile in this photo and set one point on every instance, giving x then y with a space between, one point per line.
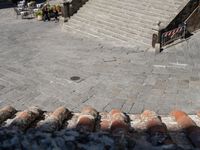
119 122
198 114
6 112
24 119
190 127
54 121
104 121
37 129
156 129
87 119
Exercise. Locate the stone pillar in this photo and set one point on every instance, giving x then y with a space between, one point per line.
156 40
66 10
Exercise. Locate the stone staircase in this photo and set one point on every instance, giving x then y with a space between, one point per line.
130 22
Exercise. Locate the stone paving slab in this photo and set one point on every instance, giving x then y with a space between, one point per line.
37 60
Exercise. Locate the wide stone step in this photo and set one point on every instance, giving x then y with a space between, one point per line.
70 29
108 30
125 14
132 25
113 7
91 33
155 6
94 11
141 32
135 16
166 5
138 7
111 27
117 20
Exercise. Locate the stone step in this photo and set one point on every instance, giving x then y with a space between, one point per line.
101 36
130 34
107 30
144 15
155 6
167 5
128 17
144 32
89 33
138 7
116 16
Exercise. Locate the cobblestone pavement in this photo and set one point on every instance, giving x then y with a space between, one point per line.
37 60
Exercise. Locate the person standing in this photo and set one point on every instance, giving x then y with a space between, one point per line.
55 12
45 13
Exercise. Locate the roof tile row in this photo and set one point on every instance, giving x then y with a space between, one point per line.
157 130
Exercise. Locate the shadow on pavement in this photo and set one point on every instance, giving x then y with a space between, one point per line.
6 4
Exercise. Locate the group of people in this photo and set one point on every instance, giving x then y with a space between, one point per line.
48 13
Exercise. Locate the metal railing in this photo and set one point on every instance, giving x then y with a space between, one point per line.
172 35
178 27
196 10
193 21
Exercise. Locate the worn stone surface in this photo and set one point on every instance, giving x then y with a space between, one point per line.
37 60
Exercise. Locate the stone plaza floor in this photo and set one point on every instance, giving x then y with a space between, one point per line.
38 59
